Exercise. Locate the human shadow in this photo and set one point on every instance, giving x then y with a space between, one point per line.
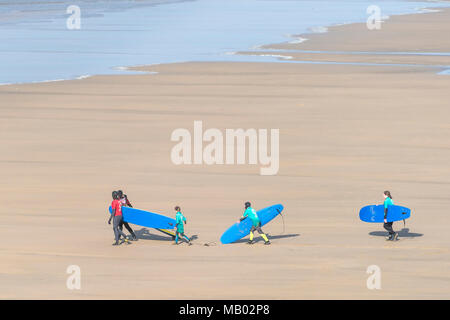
144 234
404 233
281 236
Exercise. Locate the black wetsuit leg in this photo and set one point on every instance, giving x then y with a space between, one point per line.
130 230
388 227
258 228
117 231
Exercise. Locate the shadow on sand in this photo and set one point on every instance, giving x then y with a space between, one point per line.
258 238
404 233
144 234
193 237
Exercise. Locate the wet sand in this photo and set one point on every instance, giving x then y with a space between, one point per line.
347 133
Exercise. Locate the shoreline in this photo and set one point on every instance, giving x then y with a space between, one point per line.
311 48
286 45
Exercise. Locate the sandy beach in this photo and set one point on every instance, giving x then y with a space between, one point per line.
347 133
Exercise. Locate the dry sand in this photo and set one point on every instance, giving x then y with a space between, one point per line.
347 133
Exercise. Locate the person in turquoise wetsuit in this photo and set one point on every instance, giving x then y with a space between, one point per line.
393 236
256 223
180 221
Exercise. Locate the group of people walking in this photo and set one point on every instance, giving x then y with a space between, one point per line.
120 200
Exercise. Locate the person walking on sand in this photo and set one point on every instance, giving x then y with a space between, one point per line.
116 216
126 203
393 236
256 223
180 222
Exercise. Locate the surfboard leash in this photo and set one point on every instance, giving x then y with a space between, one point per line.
206 244
282 218
404 220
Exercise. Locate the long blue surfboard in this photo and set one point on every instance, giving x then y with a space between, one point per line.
375 213
146 218
239 230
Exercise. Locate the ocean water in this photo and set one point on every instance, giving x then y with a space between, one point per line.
36 44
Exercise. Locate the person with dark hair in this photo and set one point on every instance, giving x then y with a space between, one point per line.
116 215
126 203
180 221
256 223
393 236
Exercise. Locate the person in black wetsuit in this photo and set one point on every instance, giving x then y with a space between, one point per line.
393 236
126 203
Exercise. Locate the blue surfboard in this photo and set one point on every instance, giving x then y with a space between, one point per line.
146 218
375 213
239 230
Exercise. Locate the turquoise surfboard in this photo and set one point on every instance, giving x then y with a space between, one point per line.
146 218
375 213
239 230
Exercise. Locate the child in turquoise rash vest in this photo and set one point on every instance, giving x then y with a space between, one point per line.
256 223
180 221
393 236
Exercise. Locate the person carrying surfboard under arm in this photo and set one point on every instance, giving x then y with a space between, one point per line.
256 223
393 236
180 221
116 216
126 203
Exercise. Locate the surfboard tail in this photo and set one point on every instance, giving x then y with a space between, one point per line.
167 232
